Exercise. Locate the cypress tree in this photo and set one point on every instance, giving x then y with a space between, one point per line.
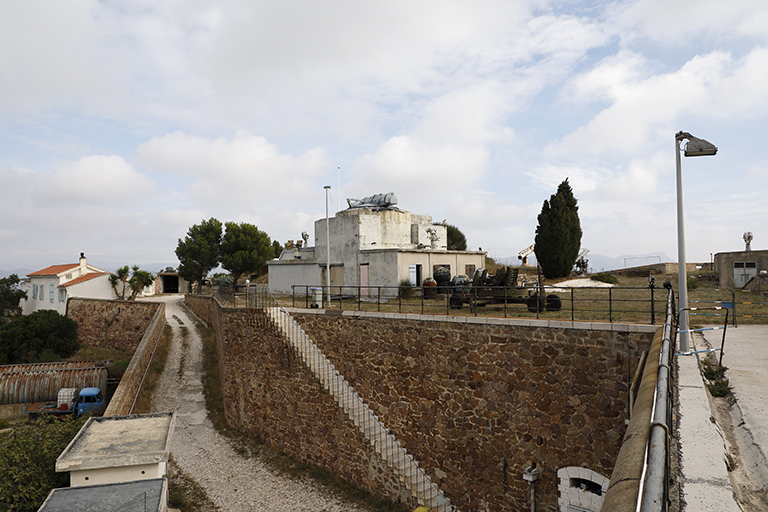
558 235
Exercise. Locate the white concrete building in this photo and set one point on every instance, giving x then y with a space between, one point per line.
50 287
371 246
116 449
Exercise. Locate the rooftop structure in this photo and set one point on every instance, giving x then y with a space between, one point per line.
119 449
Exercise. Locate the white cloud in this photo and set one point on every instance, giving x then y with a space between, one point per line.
225 173
96 179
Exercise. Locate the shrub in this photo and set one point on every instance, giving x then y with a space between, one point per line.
406 288
42 336
28 459
693 283
605 278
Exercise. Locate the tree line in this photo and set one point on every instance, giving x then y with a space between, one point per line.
242 249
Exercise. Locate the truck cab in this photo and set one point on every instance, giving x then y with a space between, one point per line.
89 400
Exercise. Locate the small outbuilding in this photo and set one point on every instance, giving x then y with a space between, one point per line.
118 449
737 269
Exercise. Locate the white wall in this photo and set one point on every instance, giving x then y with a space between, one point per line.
284 274
117 474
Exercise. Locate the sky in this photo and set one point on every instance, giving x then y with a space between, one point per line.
122 124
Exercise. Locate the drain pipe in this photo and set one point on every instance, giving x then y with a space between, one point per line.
530 474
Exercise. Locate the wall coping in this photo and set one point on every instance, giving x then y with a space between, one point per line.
516 322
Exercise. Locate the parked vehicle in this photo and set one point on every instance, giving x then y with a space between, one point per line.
500 288
71 401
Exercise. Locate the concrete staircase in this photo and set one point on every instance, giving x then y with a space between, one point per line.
384 443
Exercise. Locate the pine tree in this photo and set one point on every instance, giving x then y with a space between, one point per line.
558 235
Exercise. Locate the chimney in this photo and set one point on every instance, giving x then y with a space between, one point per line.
83 264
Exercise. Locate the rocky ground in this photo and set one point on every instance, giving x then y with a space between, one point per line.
231 481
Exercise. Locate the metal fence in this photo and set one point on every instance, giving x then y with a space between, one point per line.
608 304
599 304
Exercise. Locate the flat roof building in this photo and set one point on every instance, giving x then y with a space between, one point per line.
119 449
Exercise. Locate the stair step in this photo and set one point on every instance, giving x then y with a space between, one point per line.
381 440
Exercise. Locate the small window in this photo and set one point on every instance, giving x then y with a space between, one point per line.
34 291
62 295
50 291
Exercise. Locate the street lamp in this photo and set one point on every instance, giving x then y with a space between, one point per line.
694 147
327 249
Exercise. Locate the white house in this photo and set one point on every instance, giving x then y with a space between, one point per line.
371 244
50 287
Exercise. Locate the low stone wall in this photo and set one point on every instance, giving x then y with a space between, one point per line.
130 384
111 323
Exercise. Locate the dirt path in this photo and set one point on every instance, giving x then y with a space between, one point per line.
232 482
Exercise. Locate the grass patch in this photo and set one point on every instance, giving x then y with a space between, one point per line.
719 388
248 445
120 358
184 493
605 278
156 367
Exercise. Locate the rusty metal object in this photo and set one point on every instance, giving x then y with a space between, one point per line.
42 386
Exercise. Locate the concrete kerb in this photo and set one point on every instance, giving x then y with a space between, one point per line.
703 476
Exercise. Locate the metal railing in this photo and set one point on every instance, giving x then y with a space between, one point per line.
383 441
655 495
609 304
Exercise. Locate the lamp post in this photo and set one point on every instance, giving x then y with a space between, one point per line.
694 147
327 249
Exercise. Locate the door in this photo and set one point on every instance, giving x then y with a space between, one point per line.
743 271
364 279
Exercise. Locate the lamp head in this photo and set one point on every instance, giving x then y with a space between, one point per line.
699 147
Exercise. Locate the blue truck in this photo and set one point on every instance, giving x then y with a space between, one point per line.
71 401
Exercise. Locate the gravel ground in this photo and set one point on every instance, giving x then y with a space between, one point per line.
231 481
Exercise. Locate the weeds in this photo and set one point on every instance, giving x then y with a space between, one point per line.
718 384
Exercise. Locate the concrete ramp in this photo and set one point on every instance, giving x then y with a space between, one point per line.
381 439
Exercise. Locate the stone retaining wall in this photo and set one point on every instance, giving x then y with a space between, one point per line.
111 323
270 393
475 401
130 384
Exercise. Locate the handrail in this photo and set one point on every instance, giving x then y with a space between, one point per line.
655 492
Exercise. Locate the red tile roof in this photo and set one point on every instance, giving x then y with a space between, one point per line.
54 270
86 277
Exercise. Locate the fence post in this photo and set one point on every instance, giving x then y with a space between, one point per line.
610 305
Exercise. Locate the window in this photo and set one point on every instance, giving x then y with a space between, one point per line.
62 295
50 292
34 291
469 270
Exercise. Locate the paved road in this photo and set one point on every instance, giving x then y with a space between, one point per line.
231 481
746 357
